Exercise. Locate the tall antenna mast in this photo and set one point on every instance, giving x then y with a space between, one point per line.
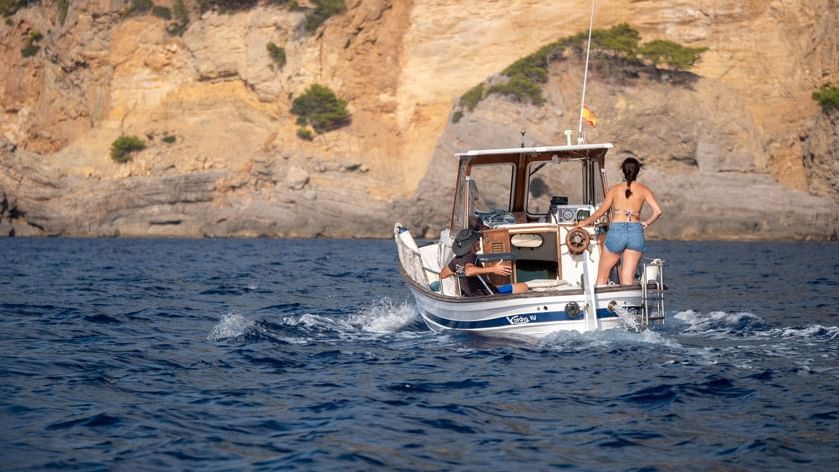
580 138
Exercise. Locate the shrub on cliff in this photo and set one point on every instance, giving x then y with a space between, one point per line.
619 44
520 89
31 46
226 5
305 133
828 97
277 53
63 6
470 99
323 10
124 146
10 7
670 53
321 108
162 12
140 6
181 15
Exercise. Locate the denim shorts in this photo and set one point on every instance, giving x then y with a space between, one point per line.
625 236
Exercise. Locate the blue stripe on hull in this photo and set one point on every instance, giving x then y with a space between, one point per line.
515 320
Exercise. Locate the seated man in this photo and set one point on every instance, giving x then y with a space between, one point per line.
465 266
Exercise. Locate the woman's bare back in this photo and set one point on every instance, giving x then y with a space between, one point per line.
628 209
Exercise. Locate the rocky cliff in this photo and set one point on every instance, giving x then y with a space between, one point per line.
740 150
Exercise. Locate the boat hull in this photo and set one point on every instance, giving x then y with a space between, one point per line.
527 315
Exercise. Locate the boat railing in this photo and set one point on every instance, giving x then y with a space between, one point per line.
409 255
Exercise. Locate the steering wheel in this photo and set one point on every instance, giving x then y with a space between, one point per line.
577 240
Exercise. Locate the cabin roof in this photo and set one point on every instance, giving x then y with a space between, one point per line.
591 150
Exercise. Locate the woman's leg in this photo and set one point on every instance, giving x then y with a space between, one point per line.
628 266
608 259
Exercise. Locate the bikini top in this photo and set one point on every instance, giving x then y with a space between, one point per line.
627 212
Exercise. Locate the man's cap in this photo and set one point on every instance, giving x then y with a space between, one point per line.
464 241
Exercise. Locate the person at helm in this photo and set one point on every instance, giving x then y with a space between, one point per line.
465 266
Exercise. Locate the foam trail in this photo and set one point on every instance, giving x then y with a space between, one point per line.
384 316
609 337
719 323
231 325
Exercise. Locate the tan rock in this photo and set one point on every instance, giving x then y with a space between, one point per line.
296 178
402 66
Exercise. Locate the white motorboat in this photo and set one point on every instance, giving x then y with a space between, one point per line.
527 201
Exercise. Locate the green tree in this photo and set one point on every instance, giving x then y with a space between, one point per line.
162 12
124 146
305 133
140 6
10 7
323 10
321 108
31 46
277 53
226 5
520 89
673 54
828 97
181 18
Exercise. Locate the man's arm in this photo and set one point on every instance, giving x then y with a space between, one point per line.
503 268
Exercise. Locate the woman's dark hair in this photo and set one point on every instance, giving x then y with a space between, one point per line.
630 168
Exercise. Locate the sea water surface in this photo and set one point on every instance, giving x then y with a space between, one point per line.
274 354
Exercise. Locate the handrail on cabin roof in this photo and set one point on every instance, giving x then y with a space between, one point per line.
534 150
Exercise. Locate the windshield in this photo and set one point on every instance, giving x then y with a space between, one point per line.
565 179
490 187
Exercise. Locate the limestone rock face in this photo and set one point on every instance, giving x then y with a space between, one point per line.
821 155
223 157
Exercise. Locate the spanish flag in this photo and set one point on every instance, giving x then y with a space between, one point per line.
589 117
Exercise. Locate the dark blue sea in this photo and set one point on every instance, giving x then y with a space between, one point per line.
273 354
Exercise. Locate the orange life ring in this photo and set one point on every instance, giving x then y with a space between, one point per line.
577 240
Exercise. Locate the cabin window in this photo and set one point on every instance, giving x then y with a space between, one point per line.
553 178
490 187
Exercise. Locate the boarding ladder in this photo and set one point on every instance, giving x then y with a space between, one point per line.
652 293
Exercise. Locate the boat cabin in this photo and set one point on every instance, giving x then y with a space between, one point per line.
525 201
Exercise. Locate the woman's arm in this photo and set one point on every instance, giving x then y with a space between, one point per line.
604 207
649 198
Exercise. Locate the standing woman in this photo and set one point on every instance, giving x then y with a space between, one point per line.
626 231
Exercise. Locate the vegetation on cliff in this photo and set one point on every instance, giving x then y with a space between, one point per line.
181 13
31 46
828 97
323 10
321 108
277 53
140 6
523 79
162 12
10 7
124 146
226 5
